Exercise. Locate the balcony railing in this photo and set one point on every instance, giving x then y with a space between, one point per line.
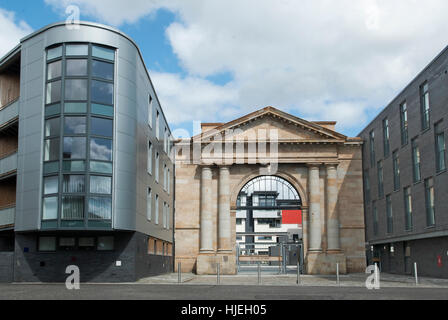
9 113
7 216
8 164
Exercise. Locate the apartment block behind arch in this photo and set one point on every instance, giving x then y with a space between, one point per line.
77 146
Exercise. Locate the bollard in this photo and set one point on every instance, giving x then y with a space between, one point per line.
259 273
416 274
218 267
337 273
179 273
298 274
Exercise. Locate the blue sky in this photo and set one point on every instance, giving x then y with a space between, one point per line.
214 61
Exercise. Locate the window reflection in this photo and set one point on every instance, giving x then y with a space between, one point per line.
75 125
101 149
103 70
72 207
75 89
102 92
54 92
73 184
51 150
77 50
74 148
54 70
52 127
101 127
100 185
76 67
100 208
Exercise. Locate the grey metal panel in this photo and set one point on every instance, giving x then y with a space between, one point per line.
9 112
8 164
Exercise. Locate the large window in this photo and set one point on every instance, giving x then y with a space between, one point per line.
375 219
156 209
367 187
396 168
78 133
408 209
429 199
372 148
389 214
440 147
380 180
424 105
149 166
416 167
404 123
149 205
386 137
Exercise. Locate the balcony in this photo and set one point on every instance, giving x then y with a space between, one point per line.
8 165
9 114
7 215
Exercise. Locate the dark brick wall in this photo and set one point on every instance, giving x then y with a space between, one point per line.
6 266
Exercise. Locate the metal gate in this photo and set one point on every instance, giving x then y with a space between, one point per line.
273 257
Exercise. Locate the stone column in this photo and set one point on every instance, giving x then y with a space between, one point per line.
315 228
224 229
332 216
206 211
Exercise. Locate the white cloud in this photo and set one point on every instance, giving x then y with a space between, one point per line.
12 30
320 59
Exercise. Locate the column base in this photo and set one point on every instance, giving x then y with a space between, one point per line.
206 263
319 263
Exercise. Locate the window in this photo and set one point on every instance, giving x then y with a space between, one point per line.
266 200
157 167
72 208
50 208
396 168
165 140
157 209
101 167
74 148
265 238
424 105
149 157
239 221
168 181
75 107
375 219
102 92
54 70
52 127
47 244
100 185
73 184
390 217
165 176
105 244
101 127
100 208
158 125
51 185
404 123
67 242
416 167
73 166
76 50
51 149
408 209
380 180
372 148
75 89
102 110
103 53
164 215
76 67
86 242
386 137
429 199
54 53
150 111
102 70
367 186
440 147
75 125
54 92
101 149
149 205
168 217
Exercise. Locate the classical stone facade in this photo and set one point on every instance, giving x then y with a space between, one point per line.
325 168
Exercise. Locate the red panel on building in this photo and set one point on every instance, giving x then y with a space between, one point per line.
292 217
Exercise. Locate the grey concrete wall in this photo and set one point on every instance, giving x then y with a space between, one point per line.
6 266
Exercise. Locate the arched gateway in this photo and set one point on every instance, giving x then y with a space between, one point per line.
272 161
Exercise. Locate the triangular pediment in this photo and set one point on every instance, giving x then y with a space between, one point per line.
271 120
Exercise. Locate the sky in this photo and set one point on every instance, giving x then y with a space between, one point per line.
215 60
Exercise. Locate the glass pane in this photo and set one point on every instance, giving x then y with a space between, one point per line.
74 148
67 242
101 149
76 50
100 208
102 110
51 185
100 167
86 242
100 185
75 107
51 151
102 92
103 70
50 210
54 92
54 70
103 53
101 127
72 208
47 243
51 167
73 184
75 125
52 110
74 166
76 89
76 67
54 53
52 127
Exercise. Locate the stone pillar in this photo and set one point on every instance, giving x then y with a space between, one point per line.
224 228
206 211
315 228
333 215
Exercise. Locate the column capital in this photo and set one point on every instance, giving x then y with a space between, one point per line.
313 165
224 167
330 165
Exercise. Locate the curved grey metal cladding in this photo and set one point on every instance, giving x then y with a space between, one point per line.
131 131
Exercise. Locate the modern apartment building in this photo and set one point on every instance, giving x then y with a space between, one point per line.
406 178
85 173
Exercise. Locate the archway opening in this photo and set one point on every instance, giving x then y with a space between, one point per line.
269 225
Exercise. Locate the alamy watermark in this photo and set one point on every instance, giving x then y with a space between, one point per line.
73 280
73 19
